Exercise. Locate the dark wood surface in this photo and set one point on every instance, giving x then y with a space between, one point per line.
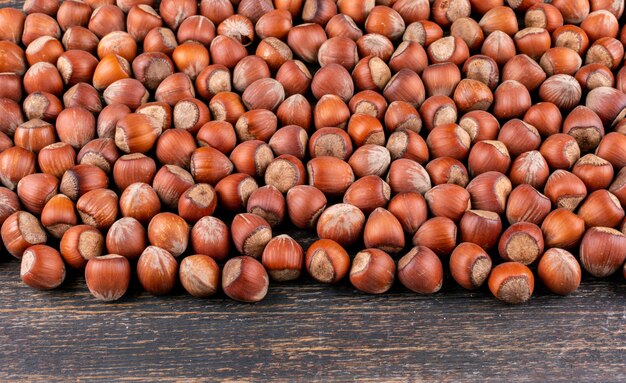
306 331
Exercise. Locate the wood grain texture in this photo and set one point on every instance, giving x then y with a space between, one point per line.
304 331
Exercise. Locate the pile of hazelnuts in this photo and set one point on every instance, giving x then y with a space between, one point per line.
465 133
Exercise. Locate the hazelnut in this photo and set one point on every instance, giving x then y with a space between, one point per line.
9 204
227 51
601 208
601 251
339 25
305 40
560 150
470 265
543 15
562 228
574 11
409 55
545 117
511 99
444 170
21 230
127 91
407 144
373 271
441 79
329 174
106 19
559 271
35 190
368 193
159 111
197 202
190 114
533 42
565 189
136 133
200 275
408 176
595 172
268 203
43 77
234 190
15 163
76 126
37 25
290 140
595 75
44 49
160 40
126 237
210 236
526 204
119 43
482 68
83 95
468 30
525 71
80 179
438 110
421 271
42 268
80 38
530 168
244 279
169 232
370 160
383 231
331 111
34 135
14 60
490 191
151 68
98 208
76 66
175 147
449 140
519 137
216 10
108 277
562 90
294 76
607 51
131 168
174 12
480 125
250 157
448 200
333 79
275 23
174 88
12 21
157 270
499 46
37 105
438 234
304 205
410 209
342 223
326 261
480 227
511 282
283 258
585 126
140 19
521 242
256 124
488 155
445 12
499 18
570 36
139 201
219 135
251 234
338 50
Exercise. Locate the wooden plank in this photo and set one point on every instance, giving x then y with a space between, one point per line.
308 331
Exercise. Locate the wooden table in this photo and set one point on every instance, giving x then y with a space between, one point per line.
306 331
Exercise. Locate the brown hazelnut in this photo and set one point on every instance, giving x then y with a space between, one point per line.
21 230
80 179
565 189
343 223
283 258
210 236
519 137
600 251
245 279
601 208
131 168
470 265
126 237
98 208
545 117
170 232
562 228
157 270
490 191
304 205
234 190
438 234
108 277
268 203
410 209
383 231
559 271
326 261
42 268
139 201
480 227
511 282
285 172
200 275
251 234
408 176
373 271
